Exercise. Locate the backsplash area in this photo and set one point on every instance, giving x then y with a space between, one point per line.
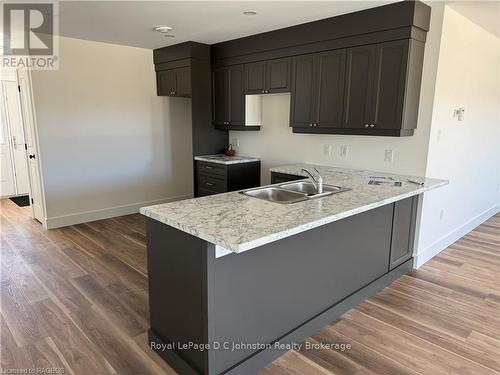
275 144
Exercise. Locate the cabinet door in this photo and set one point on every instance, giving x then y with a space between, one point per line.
182 82
165 83
403 229
220 81
359 86
278 75
236 95
255 78
302 106
331 78
390 84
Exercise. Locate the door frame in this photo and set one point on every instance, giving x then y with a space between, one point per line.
7 135
36 144
11 77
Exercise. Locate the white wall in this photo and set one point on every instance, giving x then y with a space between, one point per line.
465 152
108 144
276 144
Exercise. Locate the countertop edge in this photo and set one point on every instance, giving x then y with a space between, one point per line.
227 162
245 246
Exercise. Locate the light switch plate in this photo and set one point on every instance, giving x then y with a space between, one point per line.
327 149
344 151
389 156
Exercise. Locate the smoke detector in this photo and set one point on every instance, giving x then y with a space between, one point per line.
162 29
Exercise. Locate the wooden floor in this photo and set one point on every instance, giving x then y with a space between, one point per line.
76 299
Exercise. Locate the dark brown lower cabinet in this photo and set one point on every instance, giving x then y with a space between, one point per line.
215 178
403 231
282 291
277 177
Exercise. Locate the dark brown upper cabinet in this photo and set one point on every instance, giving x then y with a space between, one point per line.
303 99
391 68
317 90
174 82
228 96
330 88
359 86
375 85
268 77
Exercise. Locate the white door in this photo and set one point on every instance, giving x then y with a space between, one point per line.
7 186
28 115
14 118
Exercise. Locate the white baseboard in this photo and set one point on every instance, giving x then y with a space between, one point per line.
105 213
445 241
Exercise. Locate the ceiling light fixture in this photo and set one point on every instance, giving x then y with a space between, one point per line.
250 13
163 29
169 36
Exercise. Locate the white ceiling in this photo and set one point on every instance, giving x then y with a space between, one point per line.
131 22
484 13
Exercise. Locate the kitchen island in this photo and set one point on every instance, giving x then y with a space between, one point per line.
236 281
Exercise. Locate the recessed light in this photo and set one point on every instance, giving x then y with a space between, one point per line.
163 29
250 13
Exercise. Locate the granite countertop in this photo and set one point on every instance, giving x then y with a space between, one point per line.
226 160
238 223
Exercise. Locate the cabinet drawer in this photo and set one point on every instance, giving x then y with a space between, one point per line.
212 169
212 183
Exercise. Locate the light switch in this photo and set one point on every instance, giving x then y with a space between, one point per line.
389 156
327 150
344 151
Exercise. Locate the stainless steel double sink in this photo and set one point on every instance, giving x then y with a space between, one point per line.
292 192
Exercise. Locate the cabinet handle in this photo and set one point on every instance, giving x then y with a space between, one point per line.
310 124
263 91
366 125
315 124
208 167
372 125
209 184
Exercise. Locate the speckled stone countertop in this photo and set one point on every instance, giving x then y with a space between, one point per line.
226 160
239 223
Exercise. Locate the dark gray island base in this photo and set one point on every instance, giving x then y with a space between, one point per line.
281 292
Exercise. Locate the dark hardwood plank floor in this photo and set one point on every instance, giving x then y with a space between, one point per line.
76 299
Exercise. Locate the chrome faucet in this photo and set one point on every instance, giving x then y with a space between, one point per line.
318 181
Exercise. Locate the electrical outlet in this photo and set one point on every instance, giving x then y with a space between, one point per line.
327 150
235 142
459 113
441 215
389 156
439 134
344 151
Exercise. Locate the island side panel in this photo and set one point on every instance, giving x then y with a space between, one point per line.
178 284
262 294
